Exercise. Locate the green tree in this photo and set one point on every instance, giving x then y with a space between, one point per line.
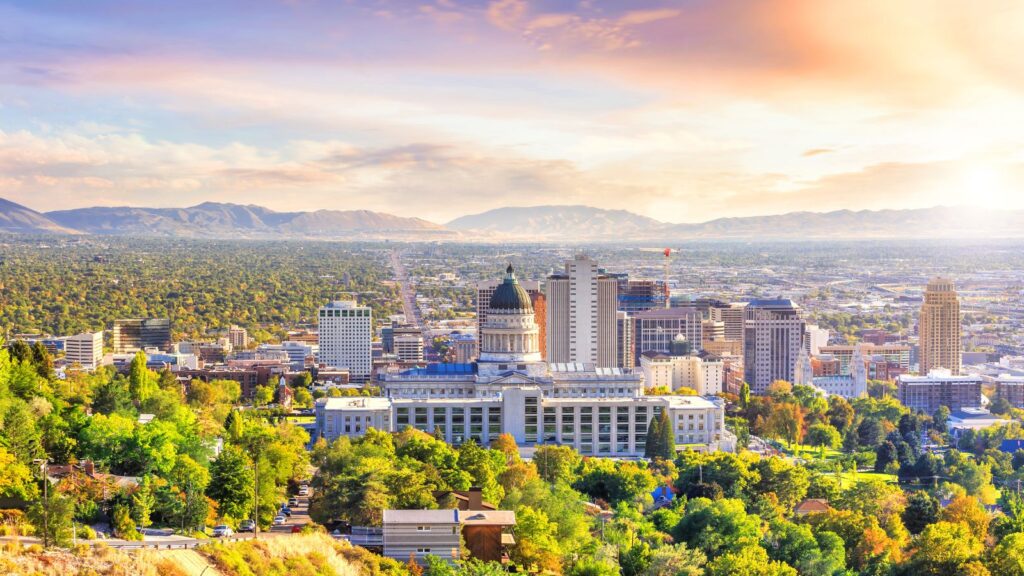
717 527
667 440
748 561
944 548
142 382
52 519
556 463
789 483
20 434
744 395
922 509
1008 557
676 560
231 483
824 435
652 442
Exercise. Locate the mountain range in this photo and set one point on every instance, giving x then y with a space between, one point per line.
536 223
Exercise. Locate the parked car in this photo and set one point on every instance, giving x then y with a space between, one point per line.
286 511
279 520
247 526
222 531
303 490
296 529
293 502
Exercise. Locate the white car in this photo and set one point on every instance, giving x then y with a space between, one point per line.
279 520
223 531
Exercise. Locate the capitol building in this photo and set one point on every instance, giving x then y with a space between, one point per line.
510 389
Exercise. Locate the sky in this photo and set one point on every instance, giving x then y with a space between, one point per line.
682 111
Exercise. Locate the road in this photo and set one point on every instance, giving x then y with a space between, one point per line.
409 308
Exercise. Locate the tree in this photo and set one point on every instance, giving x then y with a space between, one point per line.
786 422
111 396
744 395
870 432
748 561
676 560
19 433
652 442
1008 557
142 381
824 435
15 477
717 527
52 518
968 511
231 483
789 483
840 413
940 419
885 455
264 395
944 548
556 463
922 509
666 447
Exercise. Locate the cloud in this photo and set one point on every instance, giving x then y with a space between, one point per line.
817 152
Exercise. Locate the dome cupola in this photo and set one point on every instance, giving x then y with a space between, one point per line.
510 296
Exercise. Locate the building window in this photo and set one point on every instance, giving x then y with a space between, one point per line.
423 528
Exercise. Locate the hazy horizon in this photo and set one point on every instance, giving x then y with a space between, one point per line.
680 111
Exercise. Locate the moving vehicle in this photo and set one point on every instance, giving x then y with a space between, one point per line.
247 526
222 531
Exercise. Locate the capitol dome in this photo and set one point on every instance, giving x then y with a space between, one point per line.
510 296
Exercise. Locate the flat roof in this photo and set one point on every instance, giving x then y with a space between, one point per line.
421 516
354 403
488 518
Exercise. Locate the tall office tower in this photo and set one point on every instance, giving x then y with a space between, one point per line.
409 347
484 291
712 331
86 350
540 317
134 334
625 347
655 330
939 328
581 319
775 335
733 316
346 331
639 295
817 338
238 337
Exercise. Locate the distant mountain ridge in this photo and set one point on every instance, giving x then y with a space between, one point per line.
214 219
554 223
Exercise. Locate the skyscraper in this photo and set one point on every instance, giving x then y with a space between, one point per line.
345 338
581 315
134 334
85 349
774 336
238 337
625 348
939 328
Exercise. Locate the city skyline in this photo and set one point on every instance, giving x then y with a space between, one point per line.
683 111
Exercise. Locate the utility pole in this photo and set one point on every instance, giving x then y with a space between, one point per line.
43 469
256 496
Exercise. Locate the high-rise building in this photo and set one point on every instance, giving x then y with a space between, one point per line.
939 328
238 337
773 339
85 349
817 338
581 315
655 330
409 346
636 295
346 332
465 347
484 291
626 347
134 334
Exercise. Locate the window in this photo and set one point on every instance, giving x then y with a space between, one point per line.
423 550
423 528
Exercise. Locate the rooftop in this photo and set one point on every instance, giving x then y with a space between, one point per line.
421 517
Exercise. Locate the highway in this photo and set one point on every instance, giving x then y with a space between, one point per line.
408 292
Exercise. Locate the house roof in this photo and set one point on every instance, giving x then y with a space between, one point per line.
812 505
488 518
421 516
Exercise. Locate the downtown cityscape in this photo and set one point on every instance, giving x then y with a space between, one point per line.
490 287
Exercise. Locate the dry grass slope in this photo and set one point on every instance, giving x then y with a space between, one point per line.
308 555
15 561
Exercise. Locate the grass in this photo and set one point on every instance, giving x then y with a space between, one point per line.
83 561
847 479
307 555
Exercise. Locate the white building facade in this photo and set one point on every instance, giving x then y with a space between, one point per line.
345 336
84 349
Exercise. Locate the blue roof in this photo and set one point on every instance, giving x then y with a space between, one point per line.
1011 446
770 303
663 493
441 368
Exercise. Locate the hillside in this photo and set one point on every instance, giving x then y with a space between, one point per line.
576 222
18 219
